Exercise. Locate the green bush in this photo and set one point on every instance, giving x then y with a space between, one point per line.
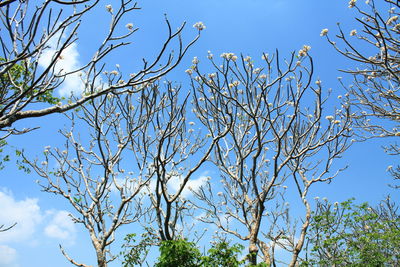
346 234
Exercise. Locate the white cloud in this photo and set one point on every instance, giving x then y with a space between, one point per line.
67 62
26 213
192 184
8 256
31 221
61 227
175 183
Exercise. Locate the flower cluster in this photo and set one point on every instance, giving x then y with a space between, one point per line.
264 56
210 55
228 56
352 3
353 33
129 26
324 32
212 75
263 76
392 20
234 84
199 25
303 52
109 8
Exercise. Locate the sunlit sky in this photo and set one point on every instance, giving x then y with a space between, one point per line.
249 27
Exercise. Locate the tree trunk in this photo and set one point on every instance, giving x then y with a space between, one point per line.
101 258
253 252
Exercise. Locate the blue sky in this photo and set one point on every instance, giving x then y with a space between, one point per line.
248 27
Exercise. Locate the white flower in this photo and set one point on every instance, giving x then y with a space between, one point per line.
234 84
199 25
220 194
324 32
264 56
189 71
256 71
352 3
109 8
195 60
329 117
303 52
318 82
114 72
353 32
129 26
228 56
191 123
392 19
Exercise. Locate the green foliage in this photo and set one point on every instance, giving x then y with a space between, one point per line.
3 158
15 82
221 254
261 264
22 163
180 253
346 234
135 254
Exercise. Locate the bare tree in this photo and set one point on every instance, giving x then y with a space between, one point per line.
90 172
374 47
137 165
278 136
30 29
176 151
